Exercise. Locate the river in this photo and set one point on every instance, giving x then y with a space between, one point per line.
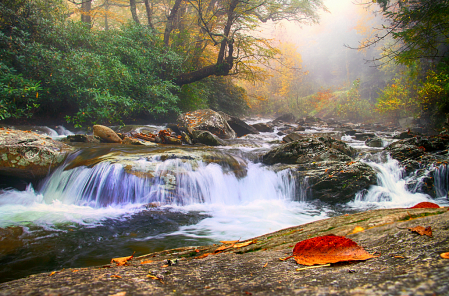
86 213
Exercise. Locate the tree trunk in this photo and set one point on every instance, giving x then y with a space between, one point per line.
149 10
171 21
132 4
86 6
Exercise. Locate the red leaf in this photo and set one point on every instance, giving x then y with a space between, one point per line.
425 204
328 249
422 230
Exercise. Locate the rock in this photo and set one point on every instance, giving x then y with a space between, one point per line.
206 120
311 119
300 129
106 134
186 138
288 117
292 137
172 141
409 264
374 142
240 127
308 150
82 139
29 155
404 135
11 240
207 138
131 141
363 136
263 127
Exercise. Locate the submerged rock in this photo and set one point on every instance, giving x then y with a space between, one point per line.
207 138
263 127
240 127
29 155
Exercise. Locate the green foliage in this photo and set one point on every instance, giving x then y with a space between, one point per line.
93 76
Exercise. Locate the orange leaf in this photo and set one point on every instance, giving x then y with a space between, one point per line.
116 276
222 248
328 249
203 255
52 273
244 244
229 242
122 260
445 255
146 261
422 231
425 204
357 229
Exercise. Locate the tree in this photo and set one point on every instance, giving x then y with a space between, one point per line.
417 29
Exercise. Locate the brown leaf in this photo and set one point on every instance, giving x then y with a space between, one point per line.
425 205
122 260
328 249
422 231
445 255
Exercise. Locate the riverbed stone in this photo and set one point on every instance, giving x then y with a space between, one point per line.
28 155
405 264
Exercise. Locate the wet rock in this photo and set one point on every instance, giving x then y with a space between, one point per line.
263 127
29 155
106 134
300 128
206 120
172 141
186 138
131 141
308 150
10 240
292 137
363 136
374 142
207 138
82 139
240 127
404 135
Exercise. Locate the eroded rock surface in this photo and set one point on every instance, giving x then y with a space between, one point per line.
206 120
29 155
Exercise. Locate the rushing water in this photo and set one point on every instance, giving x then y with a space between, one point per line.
84 215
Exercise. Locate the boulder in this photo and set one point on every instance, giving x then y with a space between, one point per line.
29 155
207 138
82 139
363 136
240 127
374 142
263 127
106 134
288 117
206 120
292 137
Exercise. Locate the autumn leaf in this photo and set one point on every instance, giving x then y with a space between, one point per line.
122 260
203 255
222 248
328 249
445 255
425 205
146 261
229 242
357 229
52 273
244 244
116 276
421 230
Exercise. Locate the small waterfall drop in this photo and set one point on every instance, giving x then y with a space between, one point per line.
391 190
441 180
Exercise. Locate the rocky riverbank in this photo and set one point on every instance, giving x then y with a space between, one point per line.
408 264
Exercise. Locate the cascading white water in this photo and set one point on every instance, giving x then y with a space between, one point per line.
391 190
441 177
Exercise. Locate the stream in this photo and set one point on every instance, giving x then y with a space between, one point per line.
102 203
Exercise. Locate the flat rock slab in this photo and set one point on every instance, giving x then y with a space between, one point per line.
409 264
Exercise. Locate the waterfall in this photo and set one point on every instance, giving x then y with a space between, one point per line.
391 191
441 177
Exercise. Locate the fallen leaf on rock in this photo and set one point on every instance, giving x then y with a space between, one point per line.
165 265
52 273
425 205
422 231
244 244
357 229
222 248
119 294
445 255
75 270
399 257
265 265
122 260
328 249
203 255
229 242
116 276
146 261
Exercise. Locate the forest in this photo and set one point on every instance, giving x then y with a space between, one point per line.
116 61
